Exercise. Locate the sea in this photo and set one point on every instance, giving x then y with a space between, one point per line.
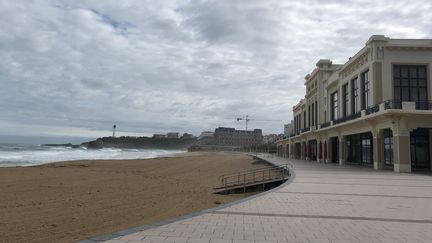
12 155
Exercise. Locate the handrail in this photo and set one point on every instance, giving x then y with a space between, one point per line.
255 176
372 109
252 170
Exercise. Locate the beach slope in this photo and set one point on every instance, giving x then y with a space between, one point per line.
70 201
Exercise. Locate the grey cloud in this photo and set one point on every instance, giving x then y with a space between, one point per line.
155 66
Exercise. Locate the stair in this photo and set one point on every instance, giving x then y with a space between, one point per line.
241 181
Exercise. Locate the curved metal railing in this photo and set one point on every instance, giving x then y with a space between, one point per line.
257 176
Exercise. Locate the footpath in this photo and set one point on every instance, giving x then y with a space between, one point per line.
320 203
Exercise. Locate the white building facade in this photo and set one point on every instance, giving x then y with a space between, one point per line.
374 110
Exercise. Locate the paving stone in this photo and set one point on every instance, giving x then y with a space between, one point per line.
325 203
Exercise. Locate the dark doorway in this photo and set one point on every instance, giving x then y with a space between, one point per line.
335 150
420 158
313 148
360 147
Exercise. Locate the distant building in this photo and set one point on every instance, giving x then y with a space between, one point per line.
172 135
206 138
271 138
289 128
224 136
186 135
205 134
159 135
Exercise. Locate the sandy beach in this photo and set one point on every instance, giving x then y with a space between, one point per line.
70 201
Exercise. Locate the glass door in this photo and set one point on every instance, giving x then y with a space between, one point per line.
420 158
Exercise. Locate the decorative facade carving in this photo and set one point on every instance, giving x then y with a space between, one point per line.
354 65
380 52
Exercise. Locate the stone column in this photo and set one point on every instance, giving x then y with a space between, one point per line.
302 149
401 146
378 149
328 158
342 150
401 152
319 151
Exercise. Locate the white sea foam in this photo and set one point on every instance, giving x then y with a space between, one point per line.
18 155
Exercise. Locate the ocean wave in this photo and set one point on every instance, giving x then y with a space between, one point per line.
28 155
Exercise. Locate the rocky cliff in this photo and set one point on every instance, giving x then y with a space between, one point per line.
140 142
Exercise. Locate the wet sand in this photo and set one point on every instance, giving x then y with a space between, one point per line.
70 201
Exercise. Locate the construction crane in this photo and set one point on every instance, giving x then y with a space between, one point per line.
247 119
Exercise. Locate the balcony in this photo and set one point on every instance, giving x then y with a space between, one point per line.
326 124
339 120
372 109
386 105
398 105
392 104
353 116
424 105
307 129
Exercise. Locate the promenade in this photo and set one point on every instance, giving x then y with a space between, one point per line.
322 203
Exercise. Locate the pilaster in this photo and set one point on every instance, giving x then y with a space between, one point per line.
342 150
401 153
378 149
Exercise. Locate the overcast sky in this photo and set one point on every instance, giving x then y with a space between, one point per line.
75 68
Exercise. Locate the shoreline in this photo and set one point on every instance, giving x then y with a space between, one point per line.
173 155
72 201
27 156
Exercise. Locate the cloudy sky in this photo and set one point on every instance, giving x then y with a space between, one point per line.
75 68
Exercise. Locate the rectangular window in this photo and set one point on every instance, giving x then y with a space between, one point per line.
298 123
366 90
366 148
354 96
309 116
345 94
334 106
313 114
388 147
410 84
304 119
316 113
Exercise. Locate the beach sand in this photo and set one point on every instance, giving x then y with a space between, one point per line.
70 201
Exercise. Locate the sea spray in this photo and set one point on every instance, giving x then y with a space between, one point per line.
26 155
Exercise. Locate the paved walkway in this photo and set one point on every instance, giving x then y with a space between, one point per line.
323 203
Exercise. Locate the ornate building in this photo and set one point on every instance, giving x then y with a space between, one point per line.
374 110
225 136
